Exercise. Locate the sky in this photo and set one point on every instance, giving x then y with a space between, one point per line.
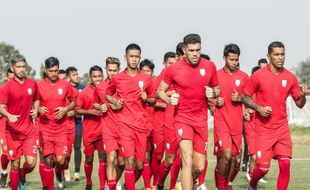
83 33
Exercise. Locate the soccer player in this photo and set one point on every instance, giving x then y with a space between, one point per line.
19 102
3 143
53 110
62 74
228 117
271 86
262 62
92 136
190 77
110 131
133 89
75 128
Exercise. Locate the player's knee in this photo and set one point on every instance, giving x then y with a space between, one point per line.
60 160
139 165
111 158
31 163
187 161
129 162
170 159
263 167
89 159
284 163
198 168
227 155
15 164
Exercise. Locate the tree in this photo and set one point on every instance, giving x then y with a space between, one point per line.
6 52
303 72
84 80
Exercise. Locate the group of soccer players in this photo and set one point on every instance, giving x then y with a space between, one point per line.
150 127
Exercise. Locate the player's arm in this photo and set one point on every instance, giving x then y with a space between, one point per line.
162 92
61 111
300 103
115 104
35 109
3 111
264 111
82 111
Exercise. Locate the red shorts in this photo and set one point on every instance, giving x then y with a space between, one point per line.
19 145
249 130
171 141
197 134
70 141
272 144
223 140
110 138
91 146
3 142
132 142
158 141
52 144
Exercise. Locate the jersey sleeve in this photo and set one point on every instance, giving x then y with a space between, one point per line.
36 92
168 76
4 95
295 90
251 86
111 89
214 79
80 101
150 89
72 93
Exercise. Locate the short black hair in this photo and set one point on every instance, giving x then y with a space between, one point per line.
254 69
191 39
70 69
9 71
168 55
133 47
275 44
62 71
51 62
17 58
262 60
148 63
205 56
179 49
112 60
95 68
231 48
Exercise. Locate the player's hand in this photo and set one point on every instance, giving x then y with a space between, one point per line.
174 99
70 113
246 115
264 111
95 112
118 104
235 96
304 89
60 112
209 92
43 110
169 93
103 108
33 113
13 118
143 95
212 109
219 102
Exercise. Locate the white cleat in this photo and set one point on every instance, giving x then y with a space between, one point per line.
202 187
118 186
60 184
178 186
262 180
77 176
67 175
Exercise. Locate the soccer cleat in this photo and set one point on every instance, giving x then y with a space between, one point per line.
160 187
22 184
77 176
3 177
45 188
202 187
118 186
250 188
244 167
60 181
89 187
67 175
262 180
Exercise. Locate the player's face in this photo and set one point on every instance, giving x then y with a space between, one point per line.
170 61
261 65
133 58
277 57
96 77
74 77
112 69
19 69
192 53
232 62
147 70
52 73
62 76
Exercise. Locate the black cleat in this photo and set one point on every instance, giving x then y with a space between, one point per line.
3 178
89 187
160 187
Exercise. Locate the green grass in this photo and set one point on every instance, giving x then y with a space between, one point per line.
300 169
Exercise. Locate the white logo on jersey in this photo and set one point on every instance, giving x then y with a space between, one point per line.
1 141
155 146
237 82
104 146
284 83
60 91
180 132
220 143
123 150
202 72
29 91
11 152
141 84
259 154
215 149
168 146
80 90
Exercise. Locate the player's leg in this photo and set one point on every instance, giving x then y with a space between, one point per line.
77 151
186 148
111 171
102 157
88 162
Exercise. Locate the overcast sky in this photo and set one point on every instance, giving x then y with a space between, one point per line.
83 33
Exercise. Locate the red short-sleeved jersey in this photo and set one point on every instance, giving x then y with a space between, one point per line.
19 100
71 120
128 88
231 112
190 82
91 123
272 90
53 96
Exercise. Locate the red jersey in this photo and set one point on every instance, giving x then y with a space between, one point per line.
19 100
158 113
128 88
71 120
231 112
190 82
53 96
272 90
91 123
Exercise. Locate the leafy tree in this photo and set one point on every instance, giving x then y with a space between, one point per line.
303 71
84 79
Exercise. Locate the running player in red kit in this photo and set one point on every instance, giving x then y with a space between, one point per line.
53 109
193 78
228 118
130 86
19 102
92 136
272 85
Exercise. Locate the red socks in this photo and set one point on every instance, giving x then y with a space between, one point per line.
49 177
259 172
4 161
234 174
112 184
284 173
147 174
174 171
102 172
155 165
88 168
130 178
14 179
163 173
220 181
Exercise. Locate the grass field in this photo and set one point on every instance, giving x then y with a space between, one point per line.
300 168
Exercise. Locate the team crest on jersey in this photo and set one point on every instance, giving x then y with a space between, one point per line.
1 141
237 82
180 132
155 146
284 83
202 72
60 91
259 154
80 90
11 152
29 90
141 84
167 146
